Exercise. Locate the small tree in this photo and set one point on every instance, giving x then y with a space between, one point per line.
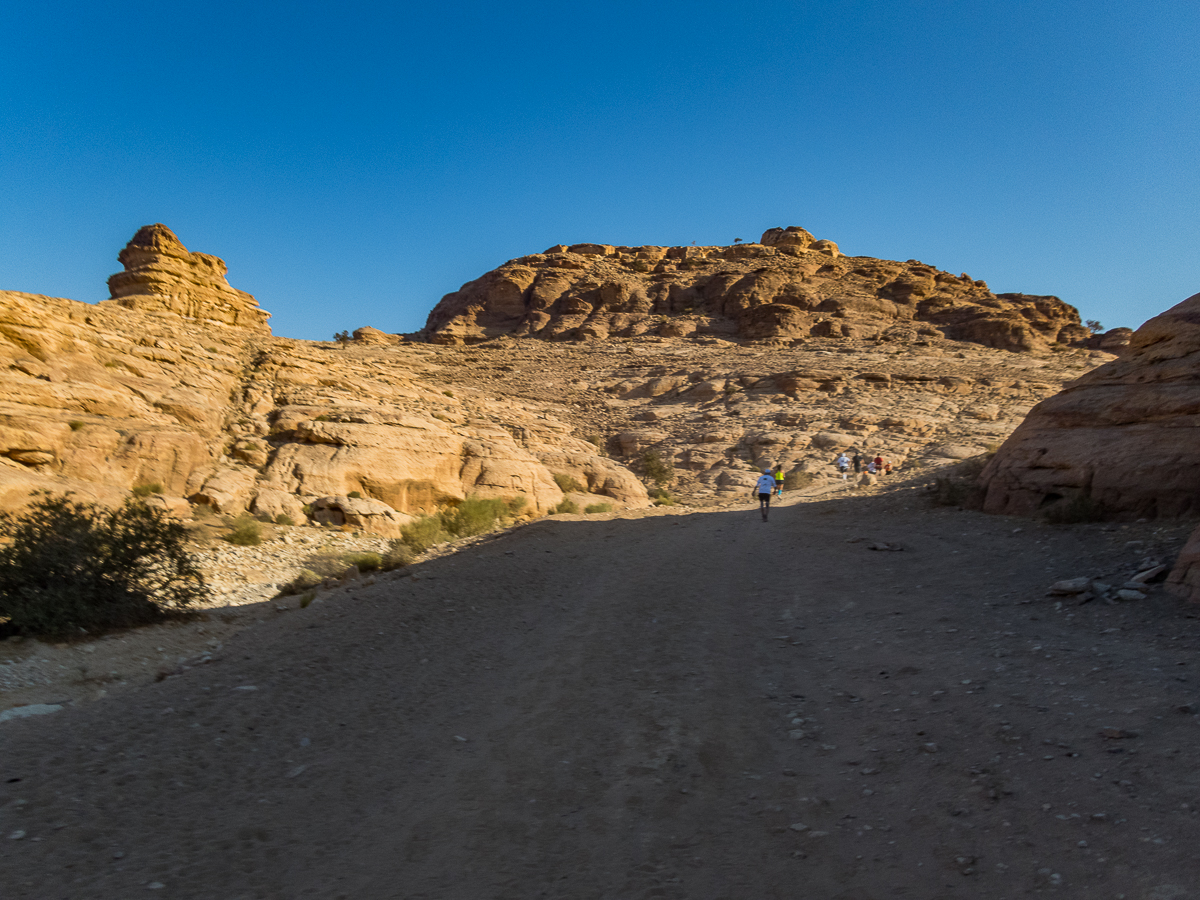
660 471
72 566
342 337
1094 325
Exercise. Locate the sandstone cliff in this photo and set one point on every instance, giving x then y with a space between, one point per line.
177 382
1125 436
787 287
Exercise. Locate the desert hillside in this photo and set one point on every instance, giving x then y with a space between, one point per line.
176 386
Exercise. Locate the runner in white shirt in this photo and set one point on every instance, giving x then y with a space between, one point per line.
764 488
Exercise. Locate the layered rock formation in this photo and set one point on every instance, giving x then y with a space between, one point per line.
1125 436
177 382
789 286
162 276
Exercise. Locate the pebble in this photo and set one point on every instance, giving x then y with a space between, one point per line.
1126 594
16 835
931 747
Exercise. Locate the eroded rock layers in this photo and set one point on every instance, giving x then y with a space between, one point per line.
788 286
176 384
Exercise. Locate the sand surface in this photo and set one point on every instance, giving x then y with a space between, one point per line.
681 706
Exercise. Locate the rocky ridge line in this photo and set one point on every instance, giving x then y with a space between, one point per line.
787 288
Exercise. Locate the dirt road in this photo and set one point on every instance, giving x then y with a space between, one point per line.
693 706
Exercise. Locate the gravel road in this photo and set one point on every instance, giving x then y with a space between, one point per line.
675 706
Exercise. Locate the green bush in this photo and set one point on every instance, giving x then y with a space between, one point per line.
567 506
284 519
72 566
567 484
657 469
398 556
516 504
661 497
145 490
76 424
247 532
475 515
355 495
598 508
424 533
364 562
305 580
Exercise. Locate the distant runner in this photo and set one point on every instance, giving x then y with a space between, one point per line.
779 476
764 487
842 463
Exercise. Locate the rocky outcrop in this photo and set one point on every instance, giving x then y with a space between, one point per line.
177 386
161 275
1126 437
788 287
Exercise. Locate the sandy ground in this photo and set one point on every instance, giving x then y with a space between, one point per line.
678 705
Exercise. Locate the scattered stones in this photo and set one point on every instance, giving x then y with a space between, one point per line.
1070 586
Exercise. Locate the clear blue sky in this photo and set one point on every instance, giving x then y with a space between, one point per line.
352 162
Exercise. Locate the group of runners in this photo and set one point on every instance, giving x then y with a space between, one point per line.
770 483
876 466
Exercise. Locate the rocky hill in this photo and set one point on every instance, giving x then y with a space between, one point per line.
786 288
176 384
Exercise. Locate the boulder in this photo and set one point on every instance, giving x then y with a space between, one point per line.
1124 435
362 513
1184 580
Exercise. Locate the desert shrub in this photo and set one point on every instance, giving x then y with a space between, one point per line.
567 506
640 265
327 564
145 490
247 532
76 424
567 484
424 533
598 508
364 562
398 556
475 515
657 469
307 599
596 441
516 504
305 579
1082 507
355 495
72 566
662 497
284 519
794 481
